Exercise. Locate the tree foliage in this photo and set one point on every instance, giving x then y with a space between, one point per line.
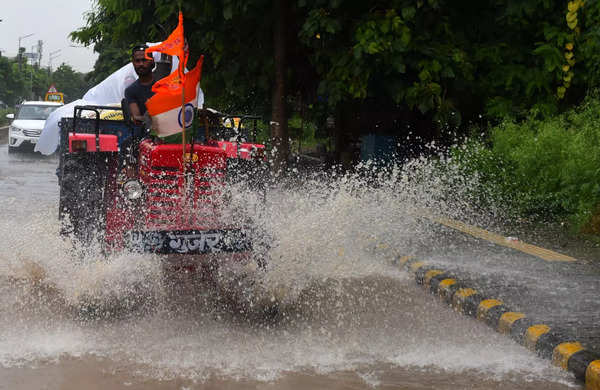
12 82
71 83
29 82
437 59
542 169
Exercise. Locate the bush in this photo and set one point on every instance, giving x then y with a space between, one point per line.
4 121
546 169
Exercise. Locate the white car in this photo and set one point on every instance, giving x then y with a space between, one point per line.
28 123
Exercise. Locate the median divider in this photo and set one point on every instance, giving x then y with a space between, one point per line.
557 345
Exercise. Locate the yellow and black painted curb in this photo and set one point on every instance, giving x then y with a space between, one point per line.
549 343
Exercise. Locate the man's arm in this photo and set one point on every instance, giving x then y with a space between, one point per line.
134 109
135 112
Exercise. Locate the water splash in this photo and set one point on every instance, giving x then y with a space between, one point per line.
327 238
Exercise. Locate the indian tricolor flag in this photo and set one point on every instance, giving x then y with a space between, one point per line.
168 111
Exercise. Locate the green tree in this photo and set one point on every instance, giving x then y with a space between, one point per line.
71 83
12 82
439 62
40 80
31 82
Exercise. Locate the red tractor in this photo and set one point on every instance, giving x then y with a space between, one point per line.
126 190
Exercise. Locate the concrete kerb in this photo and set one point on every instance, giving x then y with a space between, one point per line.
555 344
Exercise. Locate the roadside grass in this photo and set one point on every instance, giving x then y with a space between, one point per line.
541 169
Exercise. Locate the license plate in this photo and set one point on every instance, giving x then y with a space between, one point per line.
189 241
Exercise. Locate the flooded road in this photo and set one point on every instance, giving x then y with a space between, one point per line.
347 320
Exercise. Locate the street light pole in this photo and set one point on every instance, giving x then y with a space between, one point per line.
19 48
52 56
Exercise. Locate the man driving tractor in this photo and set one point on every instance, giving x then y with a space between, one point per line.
141 89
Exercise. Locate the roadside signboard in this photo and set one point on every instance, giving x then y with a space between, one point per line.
53 95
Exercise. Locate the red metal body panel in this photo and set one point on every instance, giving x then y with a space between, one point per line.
239 150
108 142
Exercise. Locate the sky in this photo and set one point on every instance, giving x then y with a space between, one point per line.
50 21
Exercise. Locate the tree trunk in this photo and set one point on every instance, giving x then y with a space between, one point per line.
279 128
338 133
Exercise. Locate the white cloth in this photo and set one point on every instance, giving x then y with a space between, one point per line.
110 91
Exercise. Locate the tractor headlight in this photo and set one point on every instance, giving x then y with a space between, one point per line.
133 189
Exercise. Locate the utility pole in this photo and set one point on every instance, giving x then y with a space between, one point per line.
31 74
40 48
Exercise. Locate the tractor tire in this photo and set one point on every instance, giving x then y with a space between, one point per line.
81 208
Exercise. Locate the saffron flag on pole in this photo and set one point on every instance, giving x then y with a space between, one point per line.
174 45
172 83
165 107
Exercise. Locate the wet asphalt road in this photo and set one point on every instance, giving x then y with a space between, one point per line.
379 316
563 295
25 175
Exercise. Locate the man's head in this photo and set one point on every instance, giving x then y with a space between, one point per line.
142 65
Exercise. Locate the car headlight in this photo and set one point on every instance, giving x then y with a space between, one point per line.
14 129
133 189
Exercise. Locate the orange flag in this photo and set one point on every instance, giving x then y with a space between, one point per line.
172 83
174 45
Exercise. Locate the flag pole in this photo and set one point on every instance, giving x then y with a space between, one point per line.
182 78
183 143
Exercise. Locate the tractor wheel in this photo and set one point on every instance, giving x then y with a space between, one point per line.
82 183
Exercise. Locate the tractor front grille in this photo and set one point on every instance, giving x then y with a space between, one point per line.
175 202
